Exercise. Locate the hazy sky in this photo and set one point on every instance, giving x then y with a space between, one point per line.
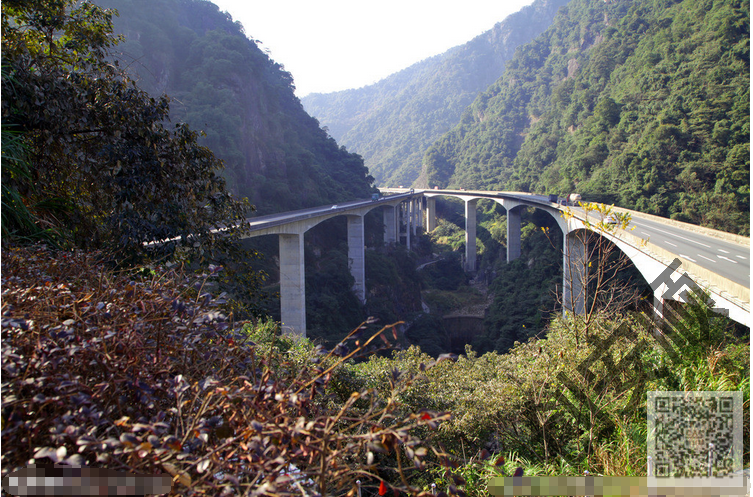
331 45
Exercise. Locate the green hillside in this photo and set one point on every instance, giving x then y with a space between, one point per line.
393 122
642 103
221 82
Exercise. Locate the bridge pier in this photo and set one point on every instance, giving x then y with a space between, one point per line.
389 215
415 211
356 256
292 284
513 234
431 214
659 302
412 215
408 224
574 273
470 235
728 296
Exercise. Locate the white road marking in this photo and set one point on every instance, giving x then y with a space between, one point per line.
712 260
670 243
727 259
691 260
722 250
688 239
740 257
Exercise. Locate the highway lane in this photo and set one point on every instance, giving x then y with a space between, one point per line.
261 222
727 259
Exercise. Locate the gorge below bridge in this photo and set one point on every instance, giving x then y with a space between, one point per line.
716 261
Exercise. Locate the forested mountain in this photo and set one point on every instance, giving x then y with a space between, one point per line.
393 122
641 103
220 81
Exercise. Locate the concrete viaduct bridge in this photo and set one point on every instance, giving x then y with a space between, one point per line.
720 262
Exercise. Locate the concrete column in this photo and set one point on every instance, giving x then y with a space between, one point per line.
659 303
575 274
292 284
389 215
356 256
408 224
659 309
420 213
413 215
470 235
431 213
399 223
513 234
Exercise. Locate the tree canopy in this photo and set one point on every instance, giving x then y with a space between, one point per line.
392 122
120 175
642 103
223 83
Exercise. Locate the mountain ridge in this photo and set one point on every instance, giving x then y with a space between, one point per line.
392 122
639 103
221 82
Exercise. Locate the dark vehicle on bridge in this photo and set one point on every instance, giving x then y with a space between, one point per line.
374 197
553 198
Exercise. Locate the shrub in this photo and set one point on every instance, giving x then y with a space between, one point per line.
144 373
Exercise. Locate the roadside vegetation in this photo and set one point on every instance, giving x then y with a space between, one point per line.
144 371
147 358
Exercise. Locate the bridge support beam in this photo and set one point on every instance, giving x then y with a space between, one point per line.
415 218
431 214
470 235
513 234
292 284
389 215
356 256
420 213
575 274
407 217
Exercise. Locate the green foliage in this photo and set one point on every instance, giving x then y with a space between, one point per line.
516 404
393 284
530 279
99 145
136 373
391 123
21 221
445 274
223 83
331 306
631 103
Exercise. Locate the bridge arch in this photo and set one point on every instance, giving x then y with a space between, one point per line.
291 247
655 264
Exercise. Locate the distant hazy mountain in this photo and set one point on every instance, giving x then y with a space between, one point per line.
393 122
640 103
222 83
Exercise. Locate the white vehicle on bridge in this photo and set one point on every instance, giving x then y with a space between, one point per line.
611 219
